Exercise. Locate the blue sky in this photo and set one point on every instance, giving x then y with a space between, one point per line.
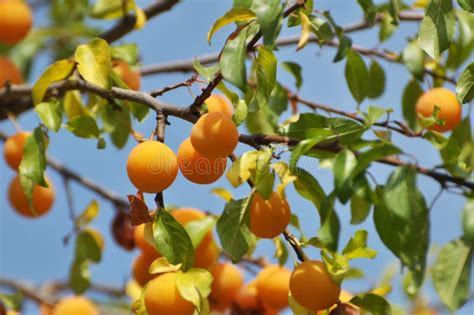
34 251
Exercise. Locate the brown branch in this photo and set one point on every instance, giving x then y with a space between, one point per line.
187 83
85 182
185 113
161 122
186 65
295 244
54 287
126 24
402 127
27 290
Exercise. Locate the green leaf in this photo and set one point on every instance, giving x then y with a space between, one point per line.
413 58
58 71
241 113
468 220
373 114
344 164
309 188
110 9
197 229
465 85
375 153
369 10
270 15
467 5
410 96
194 286
266 68
295 70
451 274
437 28
33 163
231 16
89 245
73 106
171 240
408 239
232 60
387 27
345 44
12 301
89 214
357 247
361 202
401 192
264 178
321 29
232 229
460 50
328 233
458 151
281 251
357 76
372 303
376 80
79 277
127 52
94 62
50 113
207 72
83 127
117 122
394 8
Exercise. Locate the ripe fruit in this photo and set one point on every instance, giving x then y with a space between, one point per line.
128 75
226 284
312 287
206 253
197 168
214 135
43 198
152 166
162 297
140 268
13 149
247 298
268 218
218 103
273 286
15 21
75 305
142 243
450 109
9 72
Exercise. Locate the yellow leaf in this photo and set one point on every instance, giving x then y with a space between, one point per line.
140 18
283 171
133 290
305 30
73 106
223 193
233 15
94 62
58 71
161 265
89 213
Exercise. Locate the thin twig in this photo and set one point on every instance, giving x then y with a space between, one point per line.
187 83
27 290
161 121
126 24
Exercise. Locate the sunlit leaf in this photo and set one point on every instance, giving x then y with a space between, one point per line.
233 15
50 113
94 62
58 71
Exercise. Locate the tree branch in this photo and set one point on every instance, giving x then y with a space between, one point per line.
85 182
402 127
126 24
186 114
28 291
